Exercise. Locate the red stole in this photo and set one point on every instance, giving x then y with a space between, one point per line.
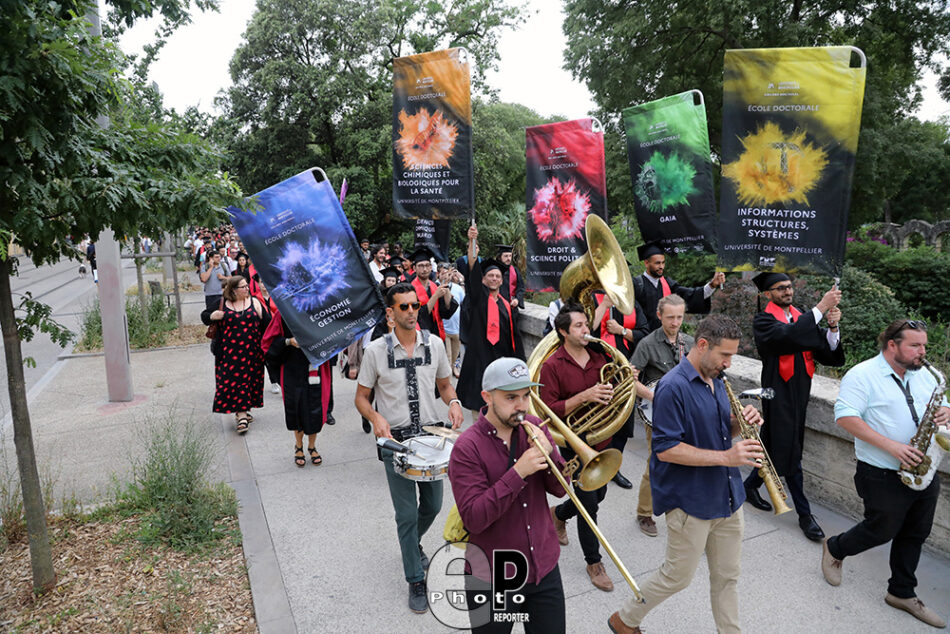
493 332
664 286
274 330
629 321
422 293
512 281
786 362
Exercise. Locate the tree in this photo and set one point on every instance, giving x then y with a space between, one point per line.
632 52
313 87
62 174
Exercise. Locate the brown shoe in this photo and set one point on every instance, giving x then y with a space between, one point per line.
619 627
560 527
830 567
916 608
598 577
647 525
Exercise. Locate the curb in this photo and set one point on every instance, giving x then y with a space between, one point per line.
83 355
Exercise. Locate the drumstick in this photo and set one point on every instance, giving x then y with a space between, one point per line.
392 445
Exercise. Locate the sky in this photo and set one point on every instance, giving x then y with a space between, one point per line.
193 66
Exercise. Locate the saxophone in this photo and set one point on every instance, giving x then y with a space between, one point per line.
767 472
929 440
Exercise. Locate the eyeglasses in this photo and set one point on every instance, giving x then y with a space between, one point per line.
243 286
413 306
782 288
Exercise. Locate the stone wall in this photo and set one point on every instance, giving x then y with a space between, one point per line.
828 461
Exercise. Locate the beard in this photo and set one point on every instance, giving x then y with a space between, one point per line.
912 363
514 420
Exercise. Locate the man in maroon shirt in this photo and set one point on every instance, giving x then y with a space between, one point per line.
500 480
571 378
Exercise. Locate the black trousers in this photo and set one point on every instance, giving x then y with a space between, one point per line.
794 483
542 611
892 512
591 501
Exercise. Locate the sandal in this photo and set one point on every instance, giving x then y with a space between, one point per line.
299 458
315 457
241 425
250 419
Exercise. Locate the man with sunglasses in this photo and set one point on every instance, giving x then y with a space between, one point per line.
880 402
790 342
403 368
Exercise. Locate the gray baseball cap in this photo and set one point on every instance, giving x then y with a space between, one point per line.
507 374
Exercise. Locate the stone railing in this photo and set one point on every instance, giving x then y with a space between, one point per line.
828 460
899 235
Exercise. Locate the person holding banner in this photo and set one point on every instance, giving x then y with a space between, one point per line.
789 343
489 328
651 285
512 284
404 368
437 301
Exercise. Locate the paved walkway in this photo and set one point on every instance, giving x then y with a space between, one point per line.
321 543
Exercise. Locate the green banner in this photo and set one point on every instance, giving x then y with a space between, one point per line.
790 124
668 152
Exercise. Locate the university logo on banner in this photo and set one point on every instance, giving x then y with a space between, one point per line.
308 258
790 124
668 152
432 135
566 182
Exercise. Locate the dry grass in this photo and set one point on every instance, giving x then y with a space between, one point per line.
109 582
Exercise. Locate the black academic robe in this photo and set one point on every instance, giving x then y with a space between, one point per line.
478 351
783 433
649 295
506 285
426 320
303 401
640 330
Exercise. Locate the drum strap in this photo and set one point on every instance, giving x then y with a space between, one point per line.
412 384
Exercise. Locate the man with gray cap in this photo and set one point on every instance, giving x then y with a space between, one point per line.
500 479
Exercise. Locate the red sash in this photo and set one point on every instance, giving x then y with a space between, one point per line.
629 321
786 362
494 324
422 292
512 281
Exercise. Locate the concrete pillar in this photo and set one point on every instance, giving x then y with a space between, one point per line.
115 327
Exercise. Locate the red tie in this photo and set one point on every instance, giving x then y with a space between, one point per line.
494 324
666 287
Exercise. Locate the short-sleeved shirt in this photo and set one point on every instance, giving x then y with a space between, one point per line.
213 284
869 391
686 410
654 356
392 396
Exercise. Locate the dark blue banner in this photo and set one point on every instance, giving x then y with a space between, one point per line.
309 260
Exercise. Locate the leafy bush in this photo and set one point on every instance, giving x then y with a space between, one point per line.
913 274
170 486
143 332
90 328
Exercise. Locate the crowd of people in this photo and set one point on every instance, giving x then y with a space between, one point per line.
461 321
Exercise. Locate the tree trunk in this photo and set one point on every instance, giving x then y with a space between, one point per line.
41 559
143 305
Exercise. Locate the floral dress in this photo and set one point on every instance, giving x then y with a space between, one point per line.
239 364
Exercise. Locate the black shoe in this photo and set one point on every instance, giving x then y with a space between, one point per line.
424 557
330 419
622 482
752 497
418 601
366 426
811 528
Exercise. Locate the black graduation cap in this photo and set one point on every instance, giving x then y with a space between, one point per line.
391 271
765 281
491 263
649 249
504 248
422 254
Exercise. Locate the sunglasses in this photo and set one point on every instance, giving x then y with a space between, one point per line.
405 307
913 324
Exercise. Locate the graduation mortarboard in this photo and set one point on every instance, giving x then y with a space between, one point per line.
765 281
504 248
649 249
391 271
490 264
422 254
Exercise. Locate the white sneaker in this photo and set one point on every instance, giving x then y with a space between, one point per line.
275 388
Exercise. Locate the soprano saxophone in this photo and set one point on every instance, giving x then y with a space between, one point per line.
767 472
929 439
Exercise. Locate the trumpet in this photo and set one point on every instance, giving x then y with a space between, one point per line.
599 465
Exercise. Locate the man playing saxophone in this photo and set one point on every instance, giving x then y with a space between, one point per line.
695 478
880 403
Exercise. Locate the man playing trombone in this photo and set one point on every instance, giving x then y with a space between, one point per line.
500 478
695 478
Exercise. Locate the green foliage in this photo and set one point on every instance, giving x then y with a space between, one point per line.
913 274
634 52
147 330
170 486
34 316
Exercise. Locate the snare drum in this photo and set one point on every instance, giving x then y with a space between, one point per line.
429 463
645 406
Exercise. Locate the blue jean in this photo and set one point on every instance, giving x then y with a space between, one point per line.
413 518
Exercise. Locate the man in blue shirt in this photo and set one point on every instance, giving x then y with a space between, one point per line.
880 402
695 479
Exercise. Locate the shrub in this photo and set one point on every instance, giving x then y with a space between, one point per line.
90 327
913 274
143 333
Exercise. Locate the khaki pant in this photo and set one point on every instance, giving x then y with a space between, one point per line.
688 538
645 501
452 349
